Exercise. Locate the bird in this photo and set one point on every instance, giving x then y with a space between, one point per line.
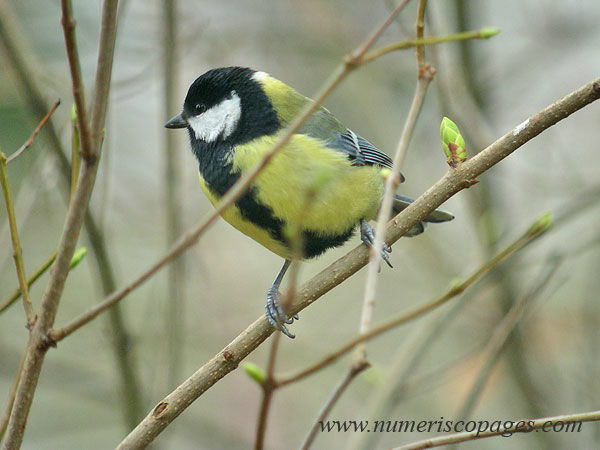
234 116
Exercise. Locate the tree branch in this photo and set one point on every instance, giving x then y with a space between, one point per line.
37 345
268 388
68 24
17 293
29 141
16 242
391 184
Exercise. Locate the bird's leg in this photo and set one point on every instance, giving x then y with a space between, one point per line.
367 234
275 313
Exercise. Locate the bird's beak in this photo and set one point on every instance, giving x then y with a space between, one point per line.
176 122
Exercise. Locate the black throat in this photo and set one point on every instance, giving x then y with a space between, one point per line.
257 119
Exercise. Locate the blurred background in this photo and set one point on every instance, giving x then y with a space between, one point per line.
99 381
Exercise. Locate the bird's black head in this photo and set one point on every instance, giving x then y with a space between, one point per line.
226 105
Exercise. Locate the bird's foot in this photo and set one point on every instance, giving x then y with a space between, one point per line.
367 235
276 315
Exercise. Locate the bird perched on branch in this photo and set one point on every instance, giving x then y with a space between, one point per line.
322 184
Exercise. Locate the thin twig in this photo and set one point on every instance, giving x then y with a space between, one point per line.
456 288
68 24
419 43
502 333
11 397
390 187
454 181
75 146
519 426
37 345
268 387
351 373
17 251
10 400
16 243
29 141
104 65
420 31
77 258
38 273
386 206
270 384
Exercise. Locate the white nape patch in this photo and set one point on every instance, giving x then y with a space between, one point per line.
219 120
520 127
260 76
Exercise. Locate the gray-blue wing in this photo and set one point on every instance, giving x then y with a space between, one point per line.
360 151
323 125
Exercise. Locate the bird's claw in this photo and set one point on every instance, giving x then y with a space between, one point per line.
367 235
276 315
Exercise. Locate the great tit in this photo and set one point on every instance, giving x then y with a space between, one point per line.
234 116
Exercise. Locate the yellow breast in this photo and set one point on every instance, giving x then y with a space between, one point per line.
306 184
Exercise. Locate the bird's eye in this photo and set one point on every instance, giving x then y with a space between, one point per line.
200 108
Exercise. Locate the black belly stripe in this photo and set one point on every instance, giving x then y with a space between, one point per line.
261 215
219 176
316 244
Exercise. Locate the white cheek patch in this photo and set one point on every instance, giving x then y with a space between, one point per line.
219 120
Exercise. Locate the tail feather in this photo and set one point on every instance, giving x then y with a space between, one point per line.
401 203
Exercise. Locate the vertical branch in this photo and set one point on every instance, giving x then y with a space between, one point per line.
16 243
82 139
176 271
38 343
268 388
270 384
391 184
420 30
12 220
10 401
75 145
68 24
